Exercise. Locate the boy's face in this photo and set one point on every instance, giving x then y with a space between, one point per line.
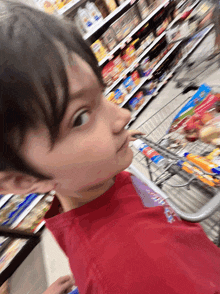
92 146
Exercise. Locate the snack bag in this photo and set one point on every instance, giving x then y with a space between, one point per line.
129 84
135 77
108 73
136 101
119 64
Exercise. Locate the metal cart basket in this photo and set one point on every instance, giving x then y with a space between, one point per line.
193 200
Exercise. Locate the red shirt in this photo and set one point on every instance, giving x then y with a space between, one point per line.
130 241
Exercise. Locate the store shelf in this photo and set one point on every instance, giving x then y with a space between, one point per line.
169 76
134 64
68 8
5 199
18 259
27 210
143 80
134 31
107 19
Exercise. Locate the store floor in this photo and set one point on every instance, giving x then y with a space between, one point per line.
56 264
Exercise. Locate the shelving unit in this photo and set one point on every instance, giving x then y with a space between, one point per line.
170 75
132 33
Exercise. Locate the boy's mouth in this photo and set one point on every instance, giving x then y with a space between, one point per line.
123 145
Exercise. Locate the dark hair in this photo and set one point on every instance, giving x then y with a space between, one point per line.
33 79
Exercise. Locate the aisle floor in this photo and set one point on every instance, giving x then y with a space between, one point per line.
56 264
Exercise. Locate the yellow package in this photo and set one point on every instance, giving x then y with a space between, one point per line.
111 5
99 50
111 97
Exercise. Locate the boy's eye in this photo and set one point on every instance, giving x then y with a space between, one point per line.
81 119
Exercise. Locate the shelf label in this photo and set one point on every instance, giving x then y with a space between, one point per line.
123 45
128 40
123 76
110 57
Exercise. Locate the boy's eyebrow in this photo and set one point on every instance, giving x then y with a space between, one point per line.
77 94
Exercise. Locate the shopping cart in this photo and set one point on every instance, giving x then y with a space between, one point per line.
192 199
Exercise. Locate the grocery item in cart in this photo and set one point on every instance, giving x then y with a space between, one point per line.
203 162
150 153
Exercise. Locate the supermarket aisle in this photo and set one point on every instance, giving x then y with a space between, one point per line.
56 263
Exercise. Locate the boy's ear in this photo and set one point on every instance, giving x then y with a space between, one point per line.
18 183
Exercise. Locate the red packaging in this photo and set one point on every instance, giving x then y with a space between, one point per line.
135 77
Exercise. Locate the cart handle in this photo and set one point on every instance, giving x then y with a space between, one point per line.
203 213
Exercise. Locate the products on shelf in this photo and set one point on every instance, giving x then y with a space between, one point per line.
143 8
150 88
129 55
111 4
99 50
161 28
112 70
93 11
36 215
12 250
10 206
47 5
120 94
135 77
146 67
102 7
84 17
135 102
109 39
129 84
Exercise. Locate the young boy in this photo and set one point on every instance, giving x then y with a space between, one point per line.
59 132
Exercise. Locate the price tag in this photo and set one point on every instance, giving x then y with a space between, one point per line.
128 40
123 46
110 57
123 76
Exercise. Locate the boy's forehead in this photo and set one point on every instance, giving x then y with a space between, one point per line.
81 77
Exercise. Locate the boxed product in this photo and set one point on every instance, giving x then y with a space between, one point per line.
134 16
150 88
111 4
146 67
129 84
126 25
47 5
199 118
111 97
99 50
85 19
136 77
129 55
137 101
102 7
143 8
120 94
119 65
93 11
109 39
108 73
117 27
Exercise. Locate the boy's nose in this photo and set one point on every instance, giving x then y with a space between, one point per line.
121 119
